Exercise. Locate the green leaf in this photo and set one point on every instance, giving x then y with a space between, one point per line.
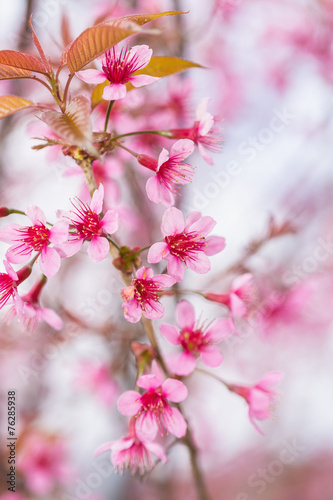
10 104
164 66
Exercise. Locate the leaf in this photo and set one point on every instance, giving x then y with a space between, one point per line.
46 64
141 19
20 60
164 66
74 126
9 72
10 104
97 93
95 41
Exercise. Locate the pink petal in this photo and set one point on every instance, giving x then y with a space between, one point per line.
157 450
98 248
254 423
114 91
146 427
270 379
202 108
237 305
175 423
185 314
192 218
182 364
59 232
10 271
176 268
163 280
172 222
163 157
49 262
206 123
36 215
220 330
96 203
129 403
201 265
121 444
52 318
157 252
132 311
211 356
70 248
215 244
110 222
91 76
183 147
242 281
142 54
154 310
157 192
142 80
14 256
9 233
204 225
174 390
170 333
145 273
149 382
104 447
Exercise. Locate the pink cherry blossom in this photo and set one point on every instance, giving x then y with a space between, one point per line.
203 132
35 238
260 397
142 297
118 67
239 297
89 226
197 341
186 243
152 410
170 171
9 282
132 453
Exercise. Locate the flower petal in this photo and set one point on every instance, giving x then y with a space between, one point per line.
129 403
185 314
59 232
36 215
96 204
132 311
91 76
157 450
215 244
174 390
237 305
110 222
220 330
142 80
211 356
163 158
141 54
175 423
170 333
9 233
206 156
153 310
173 222
52 318
242 281
176 268
49 262
157 252
204 225
14 254
183 364
114 91
200 265
98 248
149 382
157 192
183 148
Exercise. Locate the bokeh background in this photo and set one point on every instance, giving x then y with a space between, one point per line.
268 72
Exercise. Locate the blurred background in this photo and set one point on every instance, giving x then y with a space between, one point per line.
268 73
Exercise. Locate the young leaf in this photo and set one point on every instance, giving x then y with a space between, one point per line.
74 126
95 41
97 93
46 64
141 19
21 60
10 104
164 66
9 72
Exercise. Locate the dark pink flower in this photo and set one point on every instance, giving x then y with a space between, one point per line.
202 133
35 238
197 341
89 226
9 282
142 297
132 453
261 397
239 297
118 67
152 410
170 171
186 243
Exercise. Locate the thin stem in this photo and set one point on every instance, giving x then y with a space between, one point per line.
14 211
163 133
142 250
213 376
128 150
43 83
148 327
113 242
111 103
66 89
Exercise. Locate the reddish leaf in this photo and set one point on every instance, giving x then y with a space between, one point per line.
21 60
10 104
9 72
46 63
74 126
95 41
165 65
141 19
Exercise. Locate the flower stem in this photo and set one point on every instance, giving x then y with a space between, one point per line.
111 103
163 133
128 150
113 243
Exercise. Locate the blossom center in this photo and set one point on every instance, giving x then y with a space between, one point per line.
153 402
185 245
32 238
146 291
119 68
87 223
192 340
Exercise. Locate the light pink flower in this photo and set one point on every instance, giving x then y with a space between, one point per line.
239 296
260 397
170 171
29 311
97 378
152 410
35 238
186 243
118 67
197 341
142 297
132 453
9 282
203 132
90 227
